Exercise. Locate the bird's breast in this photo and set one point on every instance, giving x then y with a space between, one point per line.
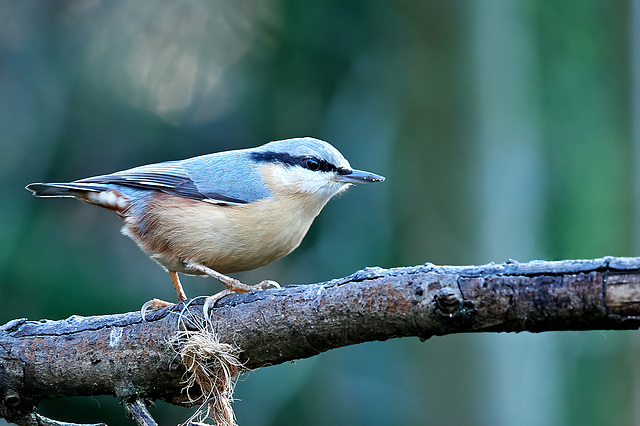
226 238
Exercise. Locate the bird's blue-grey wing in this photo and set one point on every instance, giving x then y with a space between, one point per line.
231 174
207 178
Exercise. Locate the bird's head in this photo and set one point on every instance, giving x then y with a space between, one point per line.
308 167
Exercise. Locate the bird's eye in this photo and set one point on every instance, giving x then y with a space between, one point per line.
312 164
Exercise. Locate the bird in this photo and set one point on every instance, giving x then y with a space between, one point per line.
220 213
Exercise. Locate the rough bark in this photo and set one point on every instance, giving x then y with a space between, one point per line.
136 360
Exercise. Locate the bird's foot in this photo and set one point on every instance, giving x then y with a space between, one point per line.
233 285
236 287
153 304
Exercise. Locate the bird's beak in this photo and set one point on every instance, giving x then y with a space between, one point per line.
358 176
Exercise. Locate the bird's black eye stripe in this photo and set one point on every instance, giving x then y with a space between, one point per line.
310 163
315 164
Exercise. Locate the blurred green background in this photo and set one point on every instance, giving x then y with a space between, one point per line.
506 129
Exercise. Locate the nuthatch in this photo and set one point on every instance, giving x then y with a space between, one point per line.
220 213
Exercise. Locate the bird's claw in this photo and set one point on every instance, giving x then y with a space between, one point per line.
153 304
265 284
211 300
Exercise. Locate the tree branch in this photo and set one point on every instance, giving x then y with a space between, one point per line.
140 413
137 360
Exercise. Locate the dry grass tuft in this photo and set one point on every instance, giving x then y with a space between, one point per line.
212 369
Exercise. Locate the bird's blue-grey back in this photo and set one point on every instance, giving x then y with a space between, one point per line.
227 176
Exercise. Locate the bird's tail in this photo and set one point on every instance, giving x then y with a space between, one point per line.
72 189
93 193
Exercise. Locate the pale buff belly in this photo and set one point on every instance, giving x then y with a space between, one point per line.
224 238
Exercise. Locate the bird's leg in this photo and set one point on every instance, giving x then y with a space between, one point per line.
176 284
157 303
232 284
